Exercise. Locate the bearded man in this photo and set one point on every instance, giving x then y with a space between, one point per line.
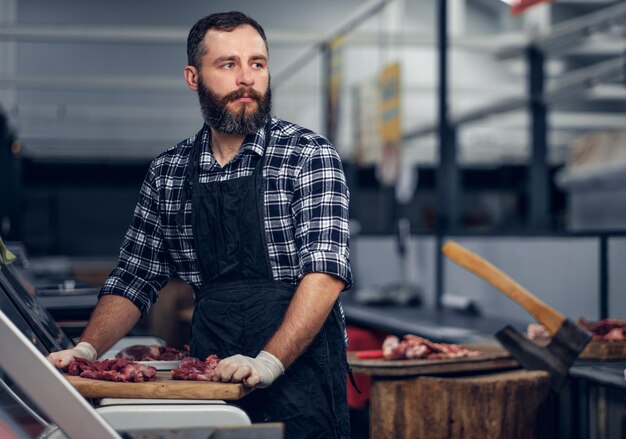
252 212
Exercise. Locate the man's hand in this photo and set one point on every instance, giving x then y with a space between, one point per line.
253 372
62 359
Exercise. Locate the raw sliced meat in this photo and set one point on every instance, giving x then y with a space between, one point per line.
535 331
172 354
616 334
120 370
152 353
605 330
195 369
601 330
414 347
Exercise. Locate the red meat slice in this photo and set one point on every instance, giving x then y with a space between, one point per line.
414 347
605 330
195 369
120 370
601 330
152 353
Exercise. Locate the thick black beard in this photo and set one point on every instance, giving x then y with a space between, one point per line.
220 118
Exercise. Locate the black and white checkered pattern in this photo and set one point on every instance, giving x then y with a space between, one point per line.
306 213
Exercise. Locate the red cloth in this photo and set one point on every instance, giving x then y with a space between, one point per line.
362 339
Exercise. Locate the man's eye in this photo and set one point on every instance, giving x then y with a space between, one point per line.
228 65
258 65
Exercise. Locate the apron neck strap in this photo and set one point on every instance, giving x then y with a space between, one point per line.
193 164
258 169
189 175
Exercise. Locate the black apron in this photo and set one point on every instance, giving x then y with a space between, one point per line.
240 306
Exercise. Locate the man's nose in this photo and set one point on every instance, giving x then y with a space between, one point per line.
245 76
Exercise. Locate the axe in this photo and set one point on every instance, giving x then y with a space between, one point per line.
568 339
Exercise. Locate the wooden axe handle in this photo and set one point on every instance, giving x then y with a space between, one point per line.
546 315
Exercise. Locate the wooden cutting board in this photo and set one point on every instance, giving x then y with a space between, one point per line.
598 350
493 357
162 388
604 350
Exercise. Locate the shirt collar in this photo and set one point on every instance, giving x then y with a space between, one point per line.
254 142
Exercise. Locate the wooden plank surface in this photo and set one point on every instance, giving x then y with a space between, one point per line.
598 350
493 357
162 388
604 350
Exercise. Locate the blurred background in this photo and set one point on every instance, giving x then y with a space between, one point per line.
487 120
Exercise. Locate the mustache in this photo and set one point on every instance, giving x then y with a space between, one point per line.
240 93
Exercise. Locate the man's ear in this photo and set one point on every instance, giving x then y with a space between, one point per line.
191 77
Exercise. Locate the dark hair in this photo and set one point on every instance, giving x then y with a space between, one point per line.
222 21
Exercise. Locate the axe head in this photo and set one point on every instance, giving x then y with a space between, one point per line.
556 358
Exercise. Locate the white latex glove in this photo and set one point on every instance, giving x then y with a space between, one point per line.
253 372
62 359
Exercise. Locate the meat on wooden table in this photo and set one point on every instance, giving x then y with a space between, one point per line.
119 370
153 353
195 369
414 347
601 330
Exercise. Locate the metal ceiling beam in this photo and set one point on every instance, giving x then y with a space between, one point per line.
568 85
608 92
130 83
584 78
106 83
597 45
73 33
162 35
172 35
19 32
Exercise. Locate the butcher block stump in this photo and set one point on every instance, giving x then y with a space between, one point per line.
511 404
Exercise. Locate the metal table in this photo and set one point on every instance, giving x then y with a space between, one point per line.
440 325
592 386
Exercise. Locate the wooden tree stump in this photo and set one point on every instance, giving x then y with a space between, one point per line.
509 405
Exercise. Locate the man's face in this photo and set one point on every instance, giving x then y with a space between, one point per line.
234 82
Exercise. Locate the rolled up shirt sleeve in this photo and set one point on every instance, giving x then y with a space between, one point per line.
320 209
143 268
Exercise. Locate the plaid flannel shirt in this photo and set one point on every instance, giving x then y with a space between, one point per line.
306 213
